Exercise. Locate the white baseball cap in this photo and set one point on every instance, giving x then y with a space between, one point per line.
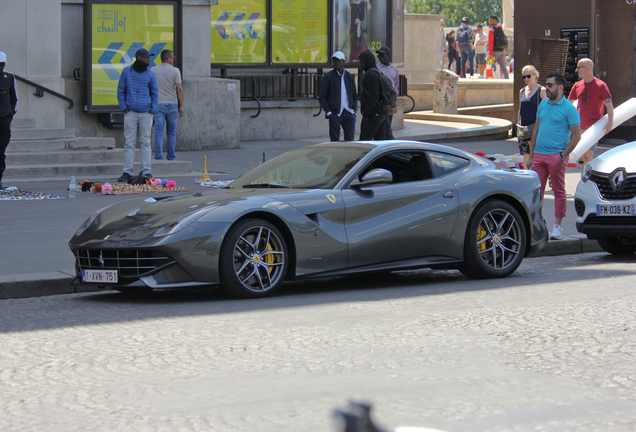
3 57
339 55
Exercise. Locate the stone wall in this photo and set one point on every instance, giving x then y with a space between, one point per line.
471 93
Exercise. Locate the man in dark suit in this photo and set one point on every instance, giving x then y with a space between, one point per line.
339 99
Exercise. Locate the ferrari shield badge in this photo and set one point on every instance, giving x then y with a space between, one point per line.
331 198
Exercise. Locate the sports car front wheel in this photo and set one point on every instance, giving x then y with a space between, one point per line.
495 241
253 259
618 245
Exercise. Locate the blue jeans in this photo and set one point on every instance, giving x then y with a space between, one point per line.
167 114
467 55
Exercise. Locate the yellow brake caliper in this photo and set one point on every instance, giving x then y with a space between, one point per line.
269 257
481 233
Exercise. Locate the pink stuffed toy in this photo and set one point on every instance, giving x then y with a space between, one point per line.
107 189
156 182
171 184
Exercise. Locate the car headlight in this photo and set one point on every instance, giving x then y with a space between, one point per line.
586 173
88 222
182 223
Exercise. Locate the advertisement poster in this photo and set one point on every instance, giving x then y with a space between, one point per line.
239 31
299 31
118 31
359 25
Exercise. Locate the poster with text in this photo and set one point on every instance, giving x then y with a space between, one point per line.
117 32
239 31
300 31
359 25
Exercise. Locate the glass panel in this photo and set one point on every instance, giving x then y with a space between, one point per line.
118 31
299 31
239 31
359 25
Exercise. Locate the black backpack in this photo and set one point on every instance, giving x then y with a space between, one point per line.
463 39
501 40
388 95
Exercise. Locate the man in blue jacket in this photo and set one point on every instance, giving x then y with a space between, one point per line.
138 98
339 99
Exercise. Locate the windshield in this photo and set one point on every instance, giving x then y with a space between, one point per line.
315 167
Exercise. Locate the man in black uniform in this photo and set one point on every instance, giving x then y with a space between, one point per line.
373 118
8 108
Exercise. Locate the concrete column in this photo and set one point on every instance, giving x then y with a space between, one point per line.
212 106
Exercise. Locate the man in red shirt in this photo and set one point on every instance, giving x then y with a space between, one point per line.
592 94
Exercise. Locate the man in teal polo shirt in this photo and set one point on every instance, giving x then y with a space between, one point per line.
556 133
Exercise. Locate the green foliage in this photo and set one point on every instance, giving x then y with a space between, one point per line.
477 11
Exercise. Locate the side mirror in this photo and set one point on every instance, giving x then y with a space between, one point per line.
375 176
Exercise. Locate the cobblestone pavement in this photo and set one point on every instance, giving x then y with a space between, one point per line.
551 348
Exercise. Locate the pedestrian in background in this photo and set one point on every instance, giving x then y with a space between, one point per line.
529 99
373 118
556 133
170 106
465 39
593 95
389 69
8 108
481 50
498 45
138 98
339 99
452 50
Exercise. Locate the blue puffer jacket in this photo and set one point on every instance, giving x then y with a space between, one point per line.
138 91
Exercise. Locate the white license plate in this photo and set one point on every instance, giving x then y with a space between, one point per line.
99 276
615 209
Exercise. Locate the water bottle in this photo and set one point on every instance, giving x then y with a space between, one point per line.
72 188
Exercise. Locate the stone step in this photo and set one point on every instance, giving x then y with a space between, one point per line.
94 171
40 146
43 146
67 157
40 134
22 123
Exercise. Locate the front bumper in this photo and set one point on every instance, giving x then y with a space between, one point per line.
586 198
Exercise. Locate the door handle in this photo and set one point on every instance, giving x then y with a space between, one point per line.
449 194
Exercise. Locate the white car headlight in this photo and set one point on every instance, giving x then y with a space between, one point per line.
586 173
182 223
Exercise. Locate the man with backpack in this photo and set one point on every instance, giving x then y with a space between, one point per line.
373 116
465 38
498 44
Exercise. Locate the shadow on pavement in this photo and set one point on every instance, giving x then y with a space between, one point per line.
112 307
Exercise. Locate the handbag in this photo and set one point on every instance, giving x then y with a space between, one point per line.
525 132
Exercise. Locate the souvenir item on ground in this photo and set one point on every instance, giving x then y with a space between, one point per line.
14 194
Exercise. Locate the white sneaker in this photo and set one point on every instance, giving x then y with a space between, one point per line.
557 233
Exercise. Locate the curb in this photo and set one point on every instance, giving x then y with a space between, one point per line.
55 283
39 285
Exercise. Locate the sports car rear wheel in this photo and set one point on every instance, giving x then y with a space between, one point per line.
495 241
253 260
618 245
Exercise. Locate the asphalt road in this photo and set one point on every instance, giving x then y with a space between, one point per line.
550 348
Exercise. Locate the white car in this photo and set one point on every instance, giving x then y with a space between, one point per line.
605 200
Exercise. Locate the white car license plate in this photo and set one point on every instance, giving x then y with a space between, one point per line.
99 276
615 209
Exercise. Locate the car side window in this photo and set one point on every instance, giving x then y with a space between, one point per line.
444 163
404 166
